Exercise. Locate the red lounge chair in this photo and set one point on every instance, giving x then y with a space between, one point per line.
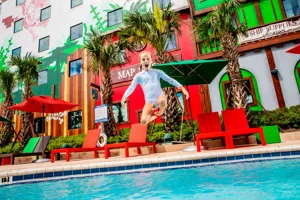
210 127
137 138
89 144
236 123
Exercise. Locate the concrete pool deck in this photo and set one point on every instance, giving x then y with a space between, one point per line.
146 159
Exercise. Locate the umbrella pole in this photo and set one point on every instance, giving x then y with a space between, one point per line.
43 106
191 116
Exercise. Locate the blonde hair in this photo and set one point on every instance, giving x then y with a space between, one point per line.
142 54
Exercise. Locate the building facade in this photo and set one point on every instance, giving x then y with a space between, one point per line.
55 31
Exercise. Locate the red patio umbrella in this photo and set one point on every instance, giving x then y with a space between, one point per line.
295 49
43 104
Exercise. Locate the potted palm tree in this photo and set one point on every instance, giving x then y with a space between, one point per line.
27 72
156 28
7 85
104 54
220 26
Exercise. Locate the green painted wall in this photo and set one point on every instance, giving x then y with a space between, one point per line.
200 5
267 11
245 74
297 75
250 15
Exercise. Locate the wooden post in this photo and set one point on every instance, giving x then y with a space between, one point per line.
275 78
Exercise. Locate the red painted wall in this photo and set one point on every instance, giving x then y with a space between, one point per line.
186 49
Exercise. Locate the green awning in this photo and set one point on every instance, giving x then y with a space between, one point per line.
192 72
3 119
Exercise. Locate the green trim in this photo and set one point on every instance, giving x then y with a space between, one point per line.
297 75
245 74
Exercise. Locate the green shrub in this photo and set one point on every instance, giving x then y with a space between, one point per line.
122 137
8 149
72 141
286 118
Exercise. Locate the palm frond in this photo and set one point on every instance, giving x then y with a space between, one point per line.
7 81
28 67
153 27
219 21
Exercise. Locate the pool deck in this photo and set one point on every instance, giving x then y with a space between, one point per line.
146 159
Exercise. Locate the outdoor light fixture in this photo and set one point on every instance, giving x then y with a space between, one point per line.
274 71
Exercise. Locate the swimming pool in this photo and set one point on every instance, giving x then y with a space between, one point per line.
277 179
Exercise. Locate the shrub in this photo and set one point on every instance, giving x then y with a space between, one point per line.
8 149
72 141
286 118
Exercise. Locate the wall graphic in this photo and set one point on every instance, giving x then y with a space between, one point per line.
31 10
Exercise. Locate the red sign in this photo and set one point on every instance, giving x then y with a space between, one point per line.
123 74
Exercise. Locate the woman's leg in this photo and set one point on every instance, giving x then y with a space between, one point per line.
162 105
146 114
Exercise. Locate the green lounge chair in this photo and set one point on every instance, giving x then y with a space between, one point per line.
34 147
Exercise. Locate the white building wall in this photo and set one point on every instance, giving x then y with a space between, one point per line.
257 64
285 63
62 18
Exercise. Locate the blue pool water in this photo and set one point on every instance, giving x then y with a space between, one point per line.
278 179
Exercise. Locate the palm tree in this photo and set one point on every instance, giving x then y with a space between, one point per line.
27 72
220 25
7 84
156 28
104 54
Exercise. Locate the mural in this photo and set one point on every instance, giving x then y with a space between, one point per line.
4 51
31 10
8 21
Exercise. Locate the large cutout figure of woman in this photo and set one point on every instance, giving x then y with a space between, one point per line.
149 79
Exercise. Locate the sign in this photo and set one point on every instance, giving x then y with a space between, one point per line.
270 31
5 180
124 73
101 113
57 116
39 125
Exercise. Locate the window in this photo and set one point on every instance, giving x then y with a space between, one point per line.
18 25
75 3
75 67
16 52
162 3
19 2
76 32
44 44
75 119
291 7
171 42
120 113
250 99
115 17
45 13
43 77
